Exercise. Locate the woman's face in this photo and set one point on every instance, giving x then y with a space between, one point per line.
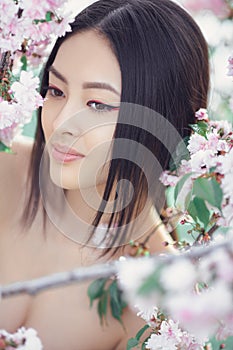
80 112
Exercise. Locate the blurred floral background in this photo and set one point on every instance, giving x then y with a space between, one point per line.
18 88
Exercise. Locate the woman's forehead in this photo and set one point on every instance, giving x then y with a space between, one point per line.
88 55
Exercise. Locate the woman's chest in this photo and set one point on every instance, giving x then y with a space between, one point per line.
62 316
63 319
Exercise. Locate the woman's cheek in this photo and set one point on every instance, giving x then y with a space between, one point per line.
100 137
46 119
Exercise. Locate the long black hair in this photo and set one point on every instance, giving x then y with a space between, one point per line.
163 58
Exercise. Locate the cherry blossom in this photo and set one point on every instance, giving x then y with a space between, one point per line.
168 179
197 143
185 278
202 114
230 66
9 114
149 314
170 336
25 92
227 215
160 342
128 279
222 126
9 133
218 7
23 339
202 161
226 163
208 307
188 342
225 329
27 29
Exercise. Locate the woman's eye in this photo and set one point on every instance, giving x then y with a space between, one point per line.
55 92
101 107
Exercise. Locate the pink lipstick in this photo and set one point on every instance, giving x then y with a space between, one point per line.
64 154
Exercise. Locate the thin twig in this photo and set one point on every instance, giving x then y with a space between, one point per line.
35 286
4 63
163 222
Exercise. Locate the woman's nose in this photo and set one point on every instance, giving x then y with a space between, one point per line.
68 120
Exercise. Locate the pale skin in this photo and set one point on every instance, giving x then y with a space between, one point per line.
62 316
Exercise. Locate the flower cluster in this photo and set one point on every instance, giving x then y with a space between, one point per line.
18 112
199 296
230 66
220 8
23 339
25 25
171 337
196 288
26 30
204 180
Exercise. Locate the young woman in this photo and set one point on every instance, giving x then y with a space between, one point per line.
120 92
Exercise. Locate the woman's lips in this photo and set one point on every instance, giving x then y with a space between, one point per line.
64 154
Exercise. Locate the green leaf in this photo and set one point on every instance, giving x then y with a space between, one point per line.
114 291
188 199
180 185
115 301
102 307
4 148
144 343
24 62
151 283
132 342
141 331
123 303
96 289
198 210
212 169
48 16
36 21
181 152
200 128
209 190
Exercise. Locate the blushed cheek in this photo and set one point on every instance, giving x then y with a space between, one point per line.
100 138
46 125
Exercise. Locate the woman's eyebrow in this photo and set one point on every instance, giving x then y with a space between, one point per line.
57 74
86 85
98 85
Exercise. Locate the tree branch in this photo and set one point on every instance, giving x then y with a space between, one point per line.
37 285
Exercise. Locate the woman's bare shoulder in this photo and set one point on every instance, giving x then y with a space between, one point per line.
21 144
13 163
13 173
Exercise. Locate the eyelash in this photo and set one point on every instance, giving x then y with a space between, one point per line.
107 108
53 88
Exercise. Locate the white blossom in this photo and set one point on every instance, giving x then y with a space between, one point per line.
202 161
133 272
32 340
202 114
149 314
197 143
226 163
169 180
179 276
160 342
199 313
223 125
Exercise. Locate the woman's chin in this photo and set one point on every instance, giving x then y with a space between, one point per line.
63 180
